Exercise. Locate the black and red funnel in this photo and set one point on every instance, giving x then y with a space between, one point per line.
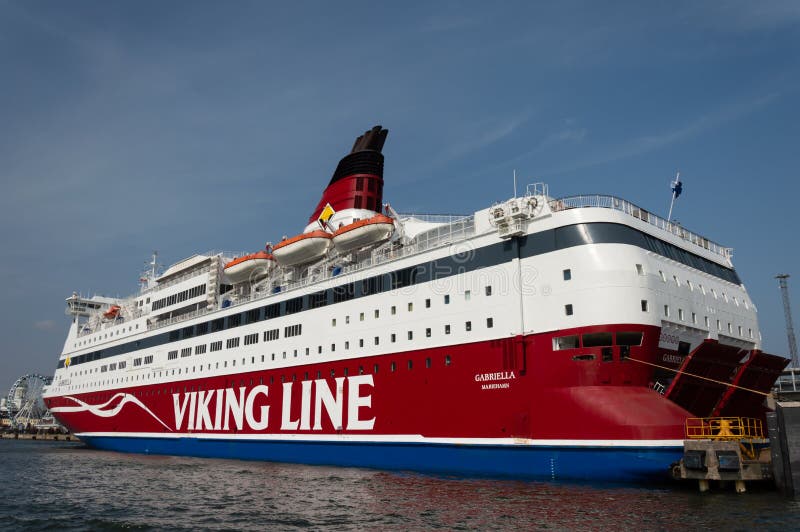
357 182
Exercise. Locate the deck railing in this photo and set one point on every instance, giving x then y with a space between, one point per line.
619 204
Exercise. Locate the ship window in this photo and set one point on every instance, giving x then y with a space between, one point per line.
468 326
410 307
567 274
580 358
377 313
410 335
629 338
467 295
740 332
694 317
447 360
346 345
272 311
319 350
730 329
357 201
360 342
639 269
394 310
359 184
568 309
333 322
347 320
565 342
680 314
447 329
666 310
428 332
333 348
253 315
361 317
410 364
377 340
346 372
663 277
705 320
393 337
428 362
677 282
392 366
318 299
597 339
447 299
489 323
644 305
294 305
690 285
607 354
428 303
719 325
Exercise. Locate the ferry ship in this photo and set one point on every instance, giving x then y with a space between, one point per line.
539 337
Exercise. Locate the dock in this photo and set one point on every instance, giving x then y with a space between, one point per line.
37 436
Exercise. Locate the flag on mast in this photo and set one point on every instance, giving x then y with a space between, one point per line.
677 188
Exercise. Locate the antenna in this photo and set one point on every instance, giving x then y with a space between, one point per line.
787 311
515 184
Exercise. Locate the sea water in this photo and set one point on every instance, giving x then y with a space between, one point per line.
67 486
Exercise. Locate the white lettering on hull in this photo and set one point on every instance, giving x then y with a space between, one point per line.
242 409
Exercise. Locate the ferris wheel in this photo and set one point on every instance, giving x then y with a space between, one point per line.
24 402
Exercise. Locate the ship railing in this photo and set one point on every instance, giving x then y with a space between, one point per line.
619 204
183 317
435 218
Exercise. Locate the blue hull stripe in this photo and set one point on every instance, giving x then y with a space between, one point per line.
611 464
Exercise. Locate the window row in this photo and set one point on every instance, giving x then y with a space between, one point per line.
179 297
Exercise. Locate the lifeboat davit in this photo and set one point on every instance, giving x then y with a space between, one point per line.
306 247
112 312
245 267
363 233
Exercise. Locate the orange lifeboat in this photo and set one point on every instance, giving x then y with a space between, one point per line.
363 233
112 312
249 266
306 247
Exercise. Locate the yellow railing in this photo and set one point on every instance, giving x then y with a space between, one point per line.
745 430
724 428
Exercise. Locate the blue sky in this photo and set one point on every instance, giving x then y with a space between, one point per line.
190 126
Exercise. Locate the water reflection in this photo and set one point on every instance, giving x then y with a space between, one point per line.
78 488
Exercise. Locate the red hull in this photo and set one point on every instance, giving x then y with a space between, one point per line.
509 388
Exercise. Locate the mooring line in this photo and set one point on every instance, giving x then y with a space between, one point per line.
700 377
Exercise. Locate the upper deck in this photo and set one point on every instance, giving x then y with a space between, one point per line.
416 234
